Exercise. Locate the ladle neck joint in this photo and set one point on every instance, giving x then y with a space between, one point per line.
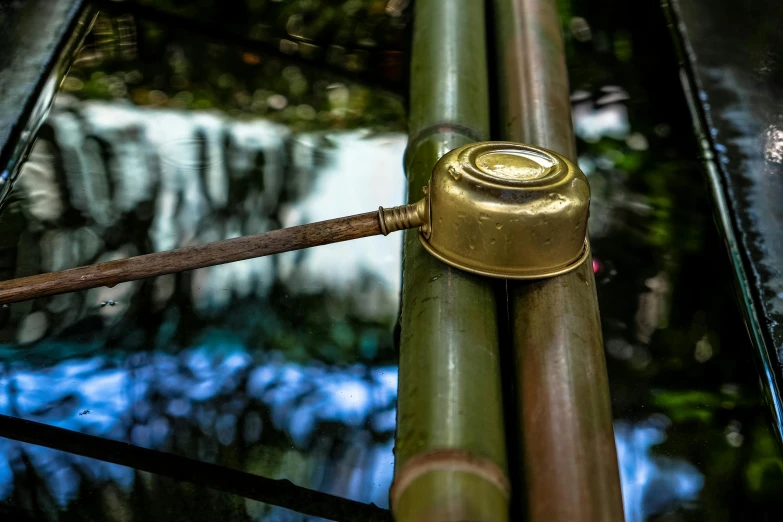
404 217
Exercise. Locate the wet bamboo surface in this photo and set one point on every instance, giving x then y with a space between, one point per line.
568 457
450 449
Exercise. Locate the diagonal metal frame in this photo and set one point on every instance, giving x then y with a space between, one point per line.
38 40
282 493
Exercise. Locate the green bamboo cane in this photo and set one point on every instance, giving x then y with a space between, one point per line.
450 449
569 463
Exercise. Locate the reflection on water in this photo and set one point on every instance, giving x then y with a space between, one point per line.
693 438
199 402
652 484
279 366
367 170
207 398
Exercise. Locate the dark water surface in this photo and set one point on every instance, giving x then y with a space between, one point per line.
693 433
284 367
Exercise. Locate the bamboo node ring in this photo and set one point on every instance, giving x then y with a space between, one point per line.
454 460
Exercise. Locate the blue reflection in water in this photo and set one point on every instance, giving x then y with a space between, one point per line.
651 483
141 398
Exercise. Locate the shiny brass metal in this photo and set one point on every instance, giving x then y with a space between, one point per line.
415 215
509 210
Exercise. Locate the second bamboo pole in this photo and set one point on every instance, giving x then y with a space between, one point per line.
568 458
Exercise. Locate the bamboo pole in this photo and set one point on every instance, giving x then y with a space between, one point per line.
568 457
450 448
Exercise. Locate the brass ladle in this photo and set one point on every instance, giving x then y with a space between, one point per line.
497 209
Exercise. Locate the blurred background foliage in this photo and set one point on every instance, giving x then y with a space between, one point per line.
310 65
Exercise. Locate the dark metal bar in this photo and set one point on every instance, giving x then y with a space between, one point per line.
38 39
568 458
450 449
744 179
281 493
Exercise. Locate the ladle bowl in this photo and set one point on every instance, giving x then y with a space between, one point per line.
503 209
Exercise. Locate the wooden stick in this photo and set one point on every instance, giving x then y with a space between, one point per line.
111 273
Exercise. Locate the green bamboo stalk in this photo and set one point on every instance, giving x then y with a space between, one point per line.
450 450
568 457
